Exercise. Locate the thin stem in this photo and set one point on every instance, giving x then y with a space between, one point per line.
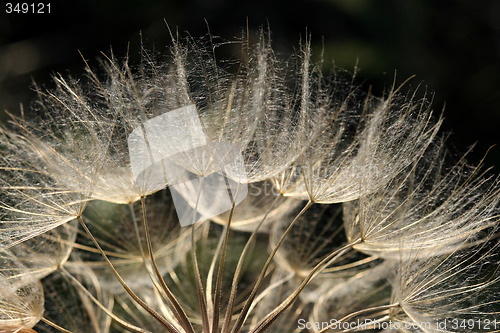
199 285
141 249
370 326
375 308
234 286
354 314
218 287
270 288
271 317
120 321
136 230
210 275
179 313
139 301
246 307
57 327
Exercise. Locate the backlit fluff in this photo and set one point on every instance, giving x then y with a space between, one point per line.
354 210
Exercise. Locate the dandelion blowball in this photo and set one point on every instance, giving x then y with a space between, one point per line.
188 193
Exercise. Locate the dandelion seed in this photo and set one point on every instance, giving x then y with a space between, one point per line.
21 296
447 291
35 201
438 207
401 235
45 253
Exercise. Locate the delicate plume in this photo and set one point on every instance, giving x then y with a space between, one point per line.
389 229
450 292
21 296
428 206
35 200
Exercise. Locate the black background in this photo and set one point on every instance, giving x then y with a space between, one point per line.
452 47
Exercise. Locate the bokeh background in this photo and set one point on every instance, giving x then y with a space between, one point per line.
452 47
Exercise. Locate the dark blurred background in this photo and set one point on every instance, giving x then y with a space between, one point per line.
452 47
